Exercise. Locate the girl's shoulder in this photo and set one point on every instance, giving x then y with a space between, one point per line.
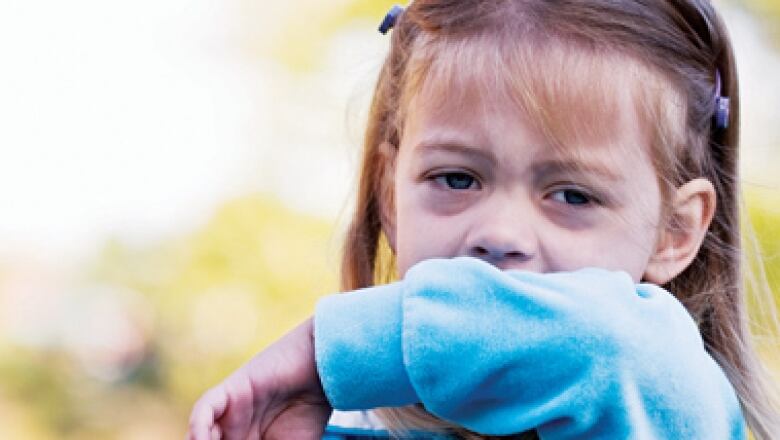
365 425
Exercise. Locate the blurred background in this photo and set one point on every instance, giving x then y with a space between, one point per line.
174 182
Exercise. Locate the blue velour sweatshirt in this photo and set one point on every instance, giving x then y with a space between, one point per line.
576 355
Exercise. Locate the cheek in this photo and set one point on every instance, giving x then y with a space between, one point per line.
421 233
617 245
625 238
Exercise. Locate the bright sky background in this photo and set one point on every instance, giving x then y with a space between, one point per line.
136 119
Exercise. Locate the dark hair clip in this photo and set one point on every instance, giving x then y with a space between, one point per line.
722 106
390 19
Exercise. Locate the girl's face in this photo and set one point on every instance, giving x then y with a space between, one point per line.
475 178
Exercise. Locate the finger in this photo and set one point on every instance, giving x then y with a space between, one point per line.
236 420
216 433
254 427
205 413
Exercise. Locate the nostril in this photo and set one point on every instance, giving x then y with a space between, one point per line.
479 251
489 254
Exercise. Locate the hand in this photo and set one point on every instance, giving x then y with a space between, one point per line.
276 395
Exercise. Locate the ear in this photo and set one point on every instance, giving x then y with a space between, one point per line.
388 154
693 207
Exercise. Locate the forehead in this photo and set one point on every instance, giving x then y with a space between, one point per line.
496 134
569 96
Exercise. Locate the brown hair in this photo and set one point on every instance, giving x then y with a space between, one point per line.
684 43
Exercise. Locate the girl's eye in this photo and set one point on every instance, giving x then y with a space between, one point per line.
572 197
456 181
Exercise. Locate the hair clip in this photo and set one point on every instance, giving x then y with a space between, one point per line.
722 107
390 19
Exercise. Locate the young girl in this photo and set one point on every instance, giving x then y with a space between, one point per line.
533 172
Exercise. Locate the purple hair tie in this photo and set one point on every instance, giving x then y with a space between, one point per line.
390 19
722 107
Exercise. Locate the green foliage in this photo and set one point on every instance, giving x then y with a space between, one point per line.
764 209
43 382
203 302
764 217
253 254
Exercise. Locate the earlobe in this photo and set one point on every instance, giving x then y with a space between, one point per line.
678 243
387 156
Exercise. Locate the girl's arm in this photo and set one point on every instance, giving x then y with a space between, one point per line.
584 354
277 395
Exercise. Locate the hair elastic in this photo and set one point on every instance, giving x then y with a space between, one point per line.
722 107
390 19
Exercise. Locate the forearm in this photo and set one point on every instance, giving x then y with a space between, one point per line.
501 354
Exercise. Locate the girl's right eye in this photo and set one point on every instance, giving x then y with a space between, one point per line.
457 181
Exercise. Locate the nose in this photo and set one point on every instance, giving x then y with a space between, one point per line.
504 235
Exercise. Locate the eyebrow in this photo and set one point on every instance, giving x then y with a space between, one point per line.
569 166
541 169
456 147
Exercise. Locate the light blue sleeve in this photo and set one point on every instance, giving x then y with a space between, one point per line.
576 355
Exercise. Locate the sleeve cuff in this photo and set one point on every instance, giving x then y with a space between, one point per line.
358 351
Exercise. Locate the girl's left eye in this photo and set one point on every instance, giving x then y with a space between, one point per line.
457 181
572 197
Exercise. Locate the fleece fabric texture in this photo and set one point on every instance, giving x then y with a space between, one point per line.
576 355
